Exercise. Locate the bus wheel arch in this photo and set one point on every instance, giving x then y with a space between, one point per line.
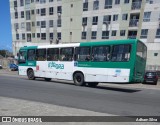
30 74
78 78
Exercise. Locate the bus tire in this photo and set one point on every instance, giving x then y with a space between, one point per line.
47 79
78 79
92 84
30 74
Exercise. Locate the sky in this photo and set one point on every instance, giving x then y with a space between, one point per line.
5 26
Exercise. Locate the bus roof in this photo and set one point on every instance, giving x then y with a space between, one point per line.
96 43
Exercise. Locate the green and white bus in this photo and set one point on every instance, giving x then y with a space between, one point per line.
116 61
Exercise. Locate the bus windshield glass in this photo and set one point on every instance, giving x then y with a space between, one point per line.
141 50
22 56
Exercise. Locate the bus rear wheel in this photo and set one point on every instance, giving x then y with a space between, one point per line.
79 79
47 79
30 74
92 84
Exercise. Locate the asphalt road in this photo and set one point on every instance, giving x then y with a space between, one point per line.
105 99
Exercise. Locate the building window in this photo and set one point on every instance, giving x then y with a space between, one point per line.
16 15
23 36
158 33
16 26
96 5
84 34
32 1
108 4
37 11
107 19
122 33
43 24
51 36
28 37
51 10
144 33
33 35
117 2
28 15
94 35
43 12
27 2
146 17
59 9
59 36
32 11
50 23
126 1
85 6
50 0
42 1
15 3
33 24
28 26
155 54
114 32
38 23
17 36
105 34
22 14
115 17
22 25
84 21
21 2
59 23
124 16
95 20
38 35
43 36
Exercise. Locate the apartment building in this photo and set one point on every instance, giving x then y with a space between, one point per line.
41 22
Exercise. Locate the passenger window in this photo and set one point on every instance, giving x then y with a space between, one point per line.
121 53
82 54
31 55
101 53
66 54
41 54
53 54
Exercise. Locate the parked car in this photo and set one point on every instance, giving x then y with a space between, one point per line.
1 67
13 67
151 77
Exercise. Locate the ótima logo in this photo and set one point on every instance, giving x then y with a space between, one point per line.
54 65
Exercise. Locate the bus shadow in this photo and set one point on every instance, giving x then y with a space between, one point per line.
100 87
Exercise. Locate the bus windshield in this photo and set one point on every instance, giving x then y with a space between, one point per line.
22 56
141 50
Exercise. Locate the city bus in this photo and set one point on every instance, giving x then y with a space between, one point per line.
86 63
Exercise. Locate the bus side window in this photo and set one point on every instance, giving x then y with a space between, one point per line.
101 53
121 53
52 54
82 54
41 54
66 54
31 55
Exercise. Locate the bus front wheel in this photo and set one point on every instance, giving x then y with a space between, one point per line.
30 74
79 79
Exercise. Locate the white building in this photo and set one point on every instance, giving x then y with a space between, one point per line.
39 22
